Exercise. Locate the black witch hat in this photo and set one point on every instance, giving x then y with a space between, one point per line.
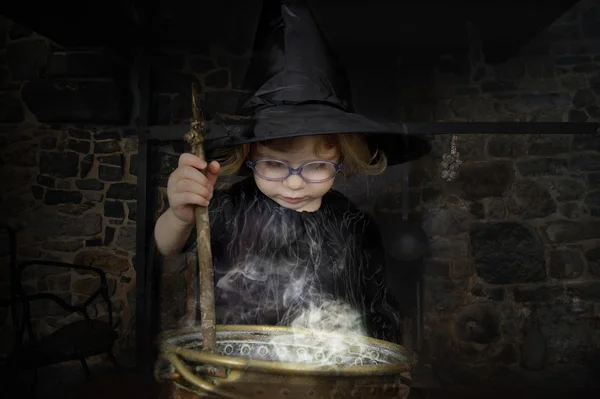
300 89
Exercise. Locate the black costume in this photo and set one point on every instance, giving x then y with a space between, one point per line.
271 262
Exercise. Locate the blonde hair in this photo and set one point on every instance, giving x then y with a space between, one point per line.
355 155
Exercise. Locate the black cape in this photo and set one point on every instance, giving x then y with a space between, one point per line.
272 263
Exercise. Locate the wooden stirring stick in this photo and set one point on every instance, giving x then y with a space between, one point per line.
195 139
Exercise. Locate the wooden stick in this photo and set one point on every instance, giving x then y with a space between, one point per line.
195 139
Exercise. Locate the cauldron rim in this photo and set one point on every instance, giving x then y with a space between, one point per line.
283 368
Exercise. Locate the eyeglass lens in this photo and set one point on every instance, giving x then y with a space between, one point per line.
313 171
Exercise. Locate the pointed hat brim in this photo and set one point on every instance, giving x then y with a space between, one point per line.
286 121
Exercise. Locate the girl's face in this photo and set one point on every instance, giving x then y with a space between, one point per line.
294 192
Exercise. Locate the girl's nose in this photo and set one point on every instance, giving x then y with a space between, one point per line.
294 182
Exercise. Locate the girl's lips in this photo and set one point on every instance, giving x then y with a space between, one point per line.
292 200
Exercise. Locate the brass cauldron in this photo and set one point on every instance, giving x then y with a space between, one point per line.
281 362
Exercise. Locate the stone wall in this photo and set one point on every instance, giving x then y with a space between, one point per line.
68 162
515 239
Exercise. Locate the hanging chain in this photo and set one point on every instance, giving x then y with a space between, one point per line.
451 162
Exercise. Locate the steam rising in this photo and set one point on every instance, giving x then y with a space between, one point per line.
276 266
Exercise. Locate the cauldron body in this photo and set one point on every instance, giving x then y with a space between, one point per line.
281 362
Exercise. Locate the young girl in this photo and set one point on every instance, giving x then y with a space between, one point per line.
283 241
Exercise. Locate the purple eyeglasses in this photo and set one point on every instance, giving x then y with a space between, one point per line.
310 172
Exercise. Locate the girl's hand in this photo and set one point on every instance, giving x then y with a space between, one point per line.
189 187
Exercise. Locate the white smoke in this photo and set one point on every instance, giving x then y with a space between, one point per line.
272 265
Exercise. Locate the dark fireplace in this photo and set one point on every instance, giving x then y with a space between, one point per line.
92 117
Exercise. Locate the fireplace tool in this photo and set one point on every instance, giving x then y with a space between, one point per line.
254 361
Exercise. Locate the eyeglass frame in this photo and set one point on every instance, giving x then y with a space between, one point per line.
294 171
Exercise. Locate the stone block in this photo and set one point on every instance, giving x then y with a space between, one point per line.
61 100
593 112
131 210
437 268
462 269
86 165
538 293
80 134
48 143
595 84
592 256
11 109
122 191
586 142
588 68
126 238
477 210
565 264
548 145
75 209
492 293
593 181
484 179
62 246
583 98
55 197
94 242
586 162
569 60
541 67
45 181
49 223
446 221
587 291
573 82
114 209
79 146
568 189
571 210
537 167
89 184
565 231
59 164
133 165
577 116
531 200
109 235
479 323
529 103
449 248
107 136
59 282
592 199
506 146
507 253
27 58
106 147
110 263
110 173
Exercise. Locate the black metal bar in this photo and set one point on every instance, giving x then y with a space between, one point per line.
143 321
176 132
